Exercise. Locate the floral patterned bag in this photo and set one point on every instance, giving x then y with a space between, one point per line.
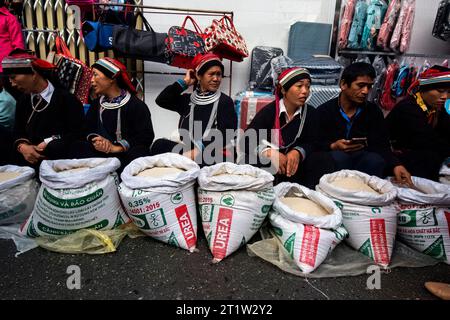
223 39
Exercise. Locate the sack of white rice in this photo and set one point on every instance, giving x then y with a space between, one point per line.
424 217
158 194
76 194
233 201
368 210
18 191
307 223
444 172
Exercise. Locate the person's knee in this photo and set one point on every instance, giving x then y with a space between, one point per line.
372 164
341 159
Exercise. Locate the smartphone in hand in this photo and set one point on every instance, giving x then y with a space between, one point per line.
360 140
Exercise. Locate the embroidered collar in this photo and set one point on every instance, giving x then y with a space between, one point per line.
116 102
204 98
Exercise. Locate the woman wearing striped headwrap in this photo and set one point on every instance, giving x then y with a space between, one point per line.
420 126
118 123
48 118
286 133
206 114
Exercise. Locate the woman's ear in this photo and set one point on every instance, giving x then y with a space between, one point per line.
283 92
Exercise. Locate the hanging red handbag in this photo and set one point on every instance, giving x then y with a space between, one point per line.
183 44
72 73
223 39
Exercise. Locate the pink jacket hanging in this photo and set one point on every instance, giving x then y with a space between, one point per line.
388 24
407 27
346 22
403 28
11 36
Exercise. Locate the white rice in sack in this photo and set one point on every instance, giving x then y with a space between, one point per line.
233 201
158 194
424 218
18 191
444 173
76 194
307 223
369 213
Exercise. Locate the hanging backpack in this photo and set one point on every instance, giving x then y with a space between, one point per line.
399 85
441 29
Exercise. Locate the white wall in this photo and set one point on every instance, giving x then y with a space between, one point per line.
422 40
262 22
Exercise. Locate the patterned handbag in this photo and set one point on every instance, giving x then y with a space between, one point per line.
183 44
223 39
68 66
68 74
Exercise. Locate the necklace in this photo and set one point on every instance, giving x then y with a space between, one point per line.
114 105
35 107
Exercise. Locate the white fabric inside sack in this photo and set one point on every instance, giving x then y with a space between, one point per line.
6 176
354 184
159 172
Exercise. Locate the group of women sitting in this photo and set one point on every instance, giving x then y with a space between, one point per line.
50 122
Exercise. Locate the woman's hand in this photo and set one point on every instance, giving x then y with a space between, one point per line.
293 160
402 176
191 154
42 145
101 144
278 159
31 154
189 77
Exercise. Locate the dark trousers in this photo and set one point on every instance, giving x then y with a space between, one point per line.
422 163
6 147
160 146
85 149
310 170
370 163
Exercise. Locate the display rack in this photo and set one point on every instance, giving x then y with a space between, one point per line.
41 20
176 11
335 51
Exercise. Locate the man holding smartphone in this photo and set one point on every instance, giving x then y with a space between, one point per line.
353 130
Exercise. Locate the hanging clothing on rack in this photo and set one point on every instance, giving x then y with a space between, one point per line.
401 36
387 100
375 16
346 22
359 18
388 25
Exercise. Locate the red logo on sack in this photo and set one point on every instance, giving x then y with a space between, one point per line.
379 242
447 217
310 243
222 237
184 220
